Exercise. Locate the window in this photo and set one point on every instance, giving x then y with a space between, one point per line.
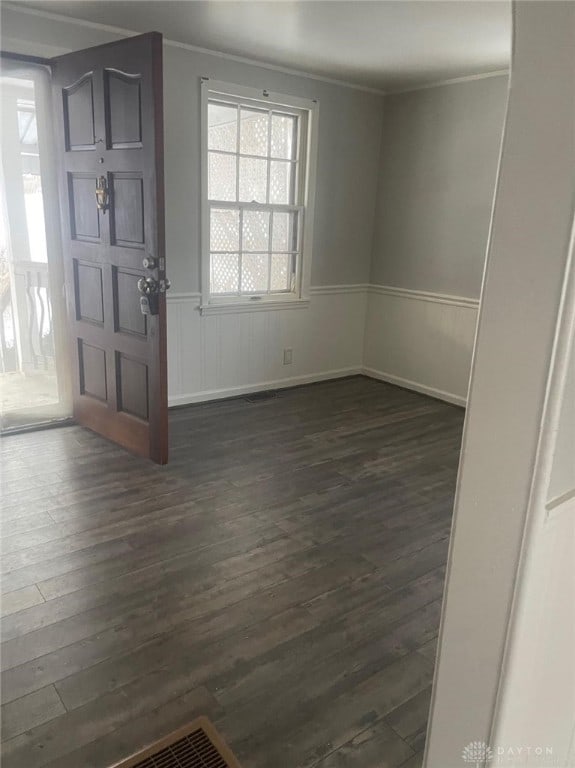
257 197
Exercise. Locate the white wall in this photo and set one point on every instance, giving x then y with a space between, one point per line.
230 354
506 671
440 149
416 331
326 337
439 159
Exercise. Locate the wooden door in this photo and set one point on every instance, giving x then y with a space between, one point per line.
109 127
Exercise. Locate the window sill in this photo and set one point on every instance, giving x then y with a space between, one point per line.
263 305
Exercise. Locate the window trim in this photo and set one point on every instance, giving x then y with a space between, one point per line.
300 296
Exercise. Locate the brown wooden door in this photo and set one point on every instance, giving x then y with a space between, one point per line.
109 121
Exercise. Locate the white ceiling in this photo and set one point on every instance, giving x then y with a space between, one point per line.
384 44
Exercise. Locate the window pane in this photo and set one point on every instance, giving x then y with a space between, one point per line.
255 272
221 177
256 231
224 272
222 127
34 205
284 136
284 232
281 273
253 132
224 230
253 180
281 182
27 128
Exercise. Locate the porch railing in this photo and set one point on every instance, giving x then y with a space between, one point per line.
26 327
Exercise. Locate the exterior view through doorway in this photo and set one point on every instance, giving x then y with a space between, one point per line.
33 360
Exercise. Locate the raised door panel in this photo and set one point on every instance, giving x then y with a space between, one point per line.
89 292
127 210
123 105
92 371
79 126
128 317
84 216
132 386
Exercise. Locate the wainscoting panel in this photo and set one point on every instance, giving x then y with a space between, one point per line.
418 340
212 356
421 341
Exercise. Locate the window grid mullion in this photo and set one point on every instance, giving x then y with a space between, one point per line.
269 166
251 206
268 161
297 138
238 114
229 153
241 252
270 246
286 253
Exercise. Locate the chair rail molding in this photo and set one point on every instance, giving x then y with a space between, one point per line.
416 295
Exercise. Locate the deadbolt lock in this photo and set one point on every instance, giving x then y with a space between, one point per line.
150 263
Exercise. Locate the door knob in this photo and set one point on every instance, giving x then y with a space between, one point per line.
150 263
147 286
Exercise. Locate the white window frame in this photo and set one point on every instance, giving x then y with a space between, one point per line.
299 296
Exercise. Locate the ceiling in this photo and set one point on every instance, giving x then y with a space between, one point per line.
383 44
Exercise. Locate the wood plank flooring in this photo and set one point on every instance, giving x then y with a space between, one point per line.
282 575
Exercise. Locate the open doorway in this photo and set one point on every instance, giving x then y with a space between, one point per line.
83 237
33 361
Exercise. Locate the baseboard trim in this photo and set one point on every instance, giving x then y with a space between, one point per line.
291 381
423 389
294 381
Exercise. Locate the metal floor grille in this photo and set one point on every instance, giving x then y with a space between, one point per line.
196 746
193 751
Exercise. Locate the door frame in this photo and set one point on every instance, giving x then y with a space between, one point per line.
518 373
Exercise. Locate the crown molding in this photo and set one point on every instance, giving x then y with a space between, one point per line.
451 81
194 48
247 60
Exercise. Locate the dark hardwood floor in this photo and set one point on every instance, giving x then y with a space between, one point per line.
282 575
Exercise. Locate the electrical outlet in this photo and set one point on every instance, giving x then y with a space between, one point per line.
288 356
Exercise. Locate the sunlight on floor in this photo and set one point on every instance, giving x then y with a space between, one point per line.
24 395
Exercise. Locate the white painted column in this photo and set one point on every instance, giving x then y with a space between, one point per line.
498 552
